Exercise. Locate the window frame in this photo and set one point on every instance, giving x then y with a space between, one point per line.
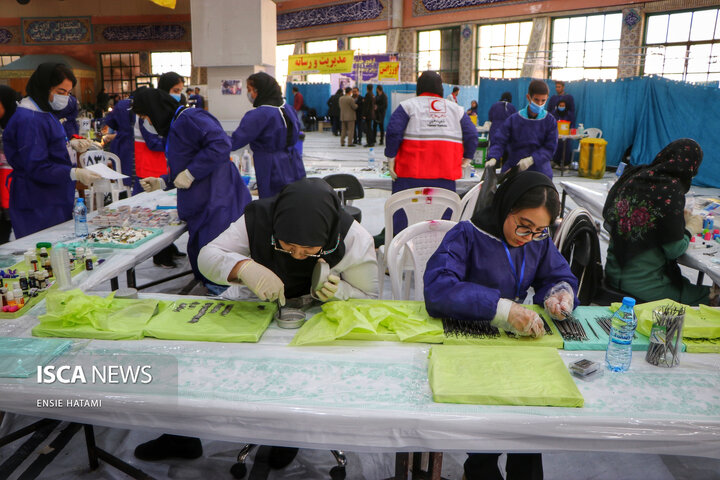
350 39
174 70
4 55
454 61
477 50
112 80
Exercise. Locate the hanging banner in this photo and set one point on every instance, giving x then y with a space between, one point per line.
332 62
389 71
366 66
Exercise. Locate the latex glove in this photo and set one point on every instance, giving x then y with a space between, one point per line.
465 162
491 163
559 299
391 168
150 184
693 223
82 145
329 288
262 281
84 176
516 319
525 163
184 179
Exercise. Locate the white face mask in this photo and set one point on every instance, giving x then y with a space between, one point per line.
148 126
59 101
250 98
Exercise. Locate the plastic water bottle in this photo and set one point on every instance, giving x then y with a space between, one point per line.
619 350
80 216
246 163
371 158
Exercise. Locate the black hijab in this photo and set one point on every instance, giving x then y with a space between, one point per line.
491 218
307 212
268 90
156 104
645 207
506 97
168 80
9 99
429 82
40 83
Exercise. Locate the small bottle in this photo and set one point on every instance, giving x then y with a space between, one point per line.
23 282
620 169
32 283
10 299
34 265
619 350
371 158
80 254
709 222
80 216
246 163
40 278
18 294
88 259
3 296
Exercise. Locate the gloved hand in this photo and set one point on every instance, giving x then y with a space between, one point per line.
525 163
329 288
262 281
391 168
491 163
693 223
150 184
184 179
516 319
466 162
84 176
559 299
82 145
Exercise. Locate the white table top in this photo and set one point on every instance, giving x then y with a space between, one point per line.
375 396
572 137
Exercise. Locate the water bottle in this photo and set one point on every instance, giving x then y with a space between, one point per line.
371 158
80 216
620 169
619 350
246 163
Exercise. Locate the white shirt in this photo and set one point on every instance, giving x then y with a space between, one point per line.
357 269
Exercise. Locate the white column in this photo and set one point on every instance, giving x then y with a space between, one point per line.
233 40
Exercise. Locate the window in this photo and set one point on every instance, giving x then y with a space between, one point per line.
501 49
320 46
6 59
178 62
439 50
585 47
369 45
119 71
282 52
683 45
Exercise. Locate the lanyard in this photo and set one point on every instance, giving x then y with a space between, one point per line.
518 281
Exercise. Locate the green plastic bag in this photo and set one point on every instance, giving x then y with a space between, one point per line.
501 376
371 320
20 357
244 322
72 314
703 322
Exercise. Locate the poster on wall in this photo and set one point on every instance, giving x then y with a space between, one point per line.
331 62
366 67
231 87
389 72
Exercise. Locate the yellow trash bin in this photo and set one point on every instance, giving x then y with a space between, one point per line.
592 157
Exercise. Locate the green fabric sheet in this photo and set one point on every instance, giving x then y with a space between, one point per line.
501 376
379 320
20 357
245 322
72 314
702 322
702 345
555 340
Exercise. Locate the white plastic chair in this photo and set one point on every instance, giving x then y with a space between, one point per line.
100 187
591 133
419 204
467 204
412 248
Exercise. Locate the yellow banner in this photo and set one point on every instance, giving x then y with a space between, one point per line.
332 62
389 71
165 3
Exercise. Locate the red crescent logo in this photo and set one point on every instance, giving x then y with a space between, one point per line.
432 105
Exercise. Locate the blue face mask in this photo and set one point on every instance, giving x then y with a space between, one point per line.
149 127
176 96
59 101
534 108
562 109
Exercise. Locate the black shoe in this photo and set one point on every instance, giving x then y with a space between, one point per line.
281 457
175 252
379 239
169 446
352 145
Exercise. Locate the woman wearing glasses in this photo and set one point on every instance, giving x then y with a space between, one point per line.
273 248
482 271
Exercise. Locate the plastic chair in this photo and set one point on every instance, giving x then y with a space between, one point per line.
419 204
413 247
467 204
101 187
349 188
591 133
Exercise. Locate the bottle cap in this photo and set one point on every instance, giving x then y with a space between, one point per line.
23 274
81 200
692 239
708 236
43 245
716 231
629 301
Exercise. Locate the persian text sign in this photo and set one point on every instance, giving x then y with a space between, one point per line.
332 62
389 71
57 30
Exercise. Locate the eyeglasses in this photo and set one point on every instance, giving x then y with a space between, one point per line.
315 255
524 231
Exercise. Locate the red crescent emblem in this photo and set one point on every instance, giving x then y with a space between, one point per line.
432 105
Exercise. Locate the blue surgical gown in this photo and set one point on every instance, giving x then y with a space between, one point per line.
498 113
68 117
217 196
522 137
470 272
41 190
276 163
122 120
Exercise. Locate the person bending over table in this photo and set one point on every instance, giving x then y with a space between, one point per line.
529 137
482 271
649 228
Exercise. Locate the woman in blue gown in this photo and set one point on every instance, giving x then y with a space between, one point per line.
271 129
